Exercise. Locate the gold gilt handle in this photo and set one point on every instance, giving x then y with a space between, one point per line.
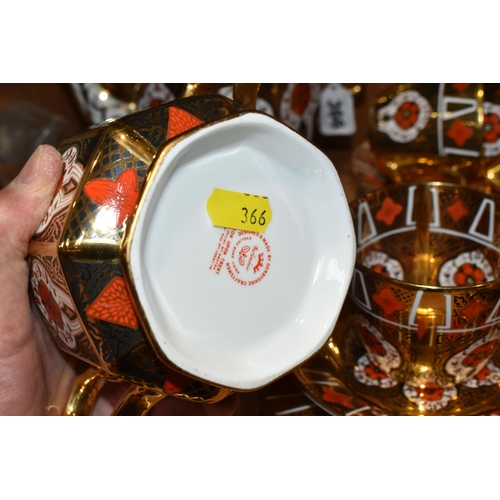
84 393
138 400
244 94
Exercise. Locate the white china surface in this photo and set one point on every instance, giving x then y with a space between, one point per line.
208 324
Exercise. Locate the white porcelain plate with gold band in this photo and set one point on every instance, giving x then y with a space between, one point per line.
240 308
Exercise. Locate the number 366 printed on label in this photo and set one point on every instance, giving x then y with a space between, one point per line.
239 210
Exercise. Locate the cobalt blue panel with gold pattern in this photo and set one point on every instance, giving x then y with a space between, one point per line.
109 195
153 124
107 314
206 108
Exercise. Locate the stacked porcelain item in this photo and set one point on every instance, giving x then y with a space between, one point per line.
420 332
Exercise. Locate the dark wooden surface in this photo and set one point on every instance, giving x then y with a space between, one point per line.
56 97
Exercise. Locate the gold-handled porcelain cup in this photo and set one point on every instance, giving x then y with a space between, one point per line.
426 297
134 273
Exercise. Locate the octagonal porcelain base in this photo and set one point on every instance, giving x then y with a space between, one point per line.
241 329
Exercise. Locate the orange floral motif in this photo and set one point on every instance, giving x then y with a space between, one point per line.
300 98
491 127
431 393
50 304
381 269
483 374
375 372
114 305
479 354
469 274
389 211
460 87
407 115
459 132
457 210
118 196
332 396
179 121
473 310
386 300
371 342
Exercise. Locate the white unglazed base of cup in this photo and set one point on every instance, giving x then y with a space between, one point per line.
208 324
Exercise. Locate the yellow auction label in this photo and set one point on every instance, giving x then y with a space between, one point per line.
235 210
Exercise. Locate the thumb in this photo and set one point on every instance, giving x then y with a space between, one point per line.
24 202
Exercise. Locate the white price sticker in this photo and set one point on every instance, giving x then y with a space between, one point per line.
336 111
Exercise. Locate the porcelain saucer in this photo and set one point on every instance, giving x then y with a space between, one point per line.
341 380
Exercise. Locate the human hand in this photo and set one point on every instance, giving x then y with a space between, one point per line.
35 376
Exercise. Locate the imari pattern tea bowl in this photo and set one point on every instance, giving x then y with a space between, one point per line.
133 276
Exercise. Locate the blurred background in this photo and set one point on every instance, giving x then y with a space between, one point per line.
32 114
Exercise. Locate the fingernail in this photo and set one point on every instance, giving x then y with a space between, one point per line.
30 169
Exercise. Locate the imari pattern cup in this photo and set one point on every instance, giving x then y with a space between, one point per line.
426 295
132 275
448 132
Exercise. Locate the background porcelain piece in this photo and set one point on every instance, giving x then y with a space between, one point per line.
329 380
207 324
426 296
